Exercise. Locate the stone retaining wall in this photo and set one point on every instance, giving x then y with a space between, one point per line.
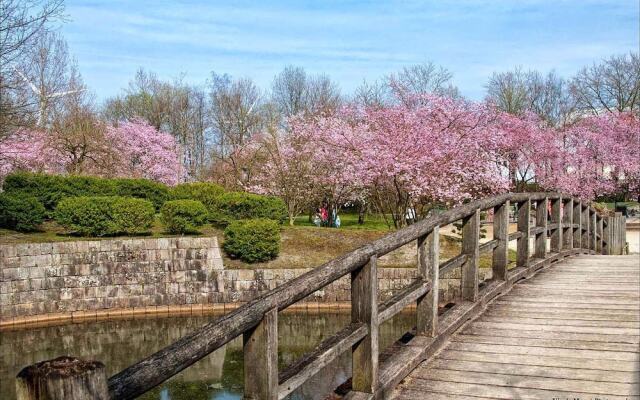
82 278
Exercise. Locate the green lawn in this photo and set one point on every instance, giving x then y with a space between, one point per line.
375 222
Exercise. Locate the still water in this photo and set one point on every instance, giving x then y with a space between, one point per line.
219 376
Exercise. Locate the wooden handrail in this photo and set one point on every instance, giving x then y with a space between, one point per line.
578 227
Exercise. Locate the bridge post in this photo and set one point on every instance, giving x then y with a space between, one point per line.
586 234
541 222
606 233
260 348
556 218
63 378
364 309
577 221
594 230
470 247
500 259
428 270
600 249
524 227
567 223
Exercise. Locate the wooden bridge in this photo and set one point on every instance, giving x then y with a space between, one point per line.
547 327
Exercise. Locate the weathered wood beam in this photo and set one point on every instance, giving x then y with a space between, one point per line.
585 227
594 230
410 294
556 221
541 225
364 309
500 259
524 227
452 263
296 374
63 378
577 224
260 351
567 223
429 271
470 247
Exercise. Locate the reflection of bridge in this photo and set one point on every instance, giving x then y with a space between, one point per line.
555 334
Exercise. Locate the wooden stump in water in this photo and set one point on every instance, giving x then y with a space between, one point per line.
63 378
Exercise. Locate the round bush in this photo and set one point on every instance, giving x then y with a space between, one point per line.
233 206
104 215
252 240
88 216
21 213
131 215
183 216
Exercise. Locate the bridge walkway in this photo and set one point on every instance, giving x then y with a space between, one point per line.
570 332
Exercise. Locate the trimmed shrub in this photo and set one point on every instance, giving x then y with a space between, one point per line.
252 240
21 213
104 215
205 192
233 206
131 215
51 189
183 216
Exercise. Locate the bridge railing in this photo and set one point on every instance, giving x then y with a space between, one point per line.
579 229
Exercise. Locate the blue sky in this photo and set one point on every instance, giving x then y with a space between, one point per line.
348 40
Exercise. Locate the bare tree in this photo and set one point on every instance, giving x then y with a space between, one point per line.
509 91
21 23
295 93
374 94
611 85
426 78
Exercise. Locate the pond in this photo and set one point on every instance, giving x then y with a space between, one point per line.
219 376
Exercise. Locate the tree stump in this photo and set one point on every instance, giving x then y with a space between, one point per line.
63 378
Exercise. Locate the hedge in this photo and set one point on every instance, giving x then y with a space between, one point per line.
252 240
233 206
205 192
183 216
21 213
104 215
51 189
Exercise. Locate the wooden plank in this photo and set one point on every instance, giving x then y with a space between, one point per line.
567 306
538 371
470 247
541 222
569 300
296 374
500 259
452 264
593 337
543 361
524 227
364 309
495 392
260 351
429 270
572 320
567 223
574 329
526 382
548 343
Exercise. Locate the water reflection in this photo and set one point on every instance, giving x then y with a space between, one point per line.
219 376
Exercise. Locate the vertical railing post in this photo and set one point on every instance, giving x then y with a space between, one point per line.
556 218
594 230
500 259
471 248
260 348
63 378
364 309
585 227
567 221
600 249
623 234
577 221
606 233
428 270
541 222
524 227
